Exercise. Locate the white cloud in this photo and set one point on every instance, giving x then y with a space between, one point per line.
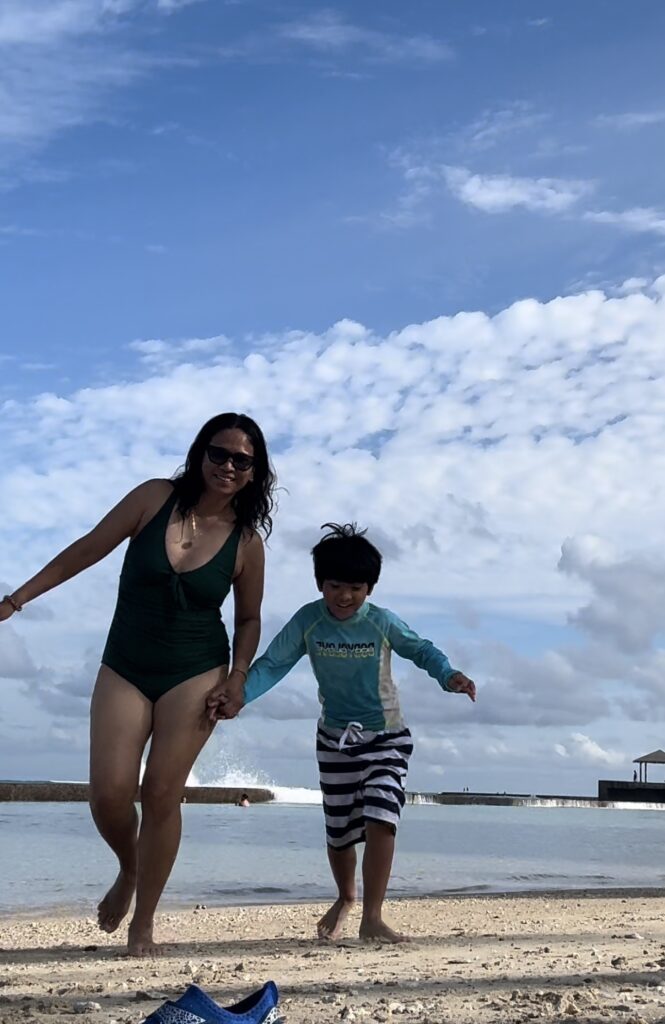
628 594
497 124
60 61
56 67
16 231
174 5
329 33
500 192
632 284
639 219
39 22
162 355
437 747
426 180
587 751
630 120
15 659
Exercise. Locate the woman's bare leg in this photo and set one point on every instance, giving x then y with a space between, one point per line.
120 723
180 730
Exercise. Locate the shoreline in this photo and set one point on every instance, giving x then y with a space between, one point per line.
477 959
630 892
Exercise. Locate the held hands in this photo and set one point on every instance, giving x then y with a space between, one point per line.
227 698
462 684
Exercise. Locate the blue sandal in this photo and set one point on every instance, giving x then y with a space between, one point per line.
195 1007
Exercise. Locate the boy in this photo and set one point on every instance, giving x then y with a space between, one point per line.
363 746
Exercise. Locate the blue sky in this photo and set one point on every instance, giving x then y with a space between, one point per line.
424 245
240 168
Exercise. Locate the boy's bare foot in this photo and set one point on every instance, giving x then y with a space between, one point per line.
332 923
378 931
113 908
140 941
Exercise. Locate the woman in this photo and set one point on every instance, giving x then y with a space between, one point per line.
191 540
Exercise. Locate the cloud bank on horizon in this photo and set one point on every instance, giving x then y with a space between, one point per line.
510 466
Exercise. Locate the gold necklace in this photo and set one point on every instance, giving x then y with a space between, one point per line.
187 543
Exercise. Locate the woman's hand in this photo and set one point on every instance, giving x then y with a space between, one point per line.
227 698
462 684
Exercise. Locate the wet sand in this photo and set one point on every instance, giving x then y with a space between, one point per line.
582 957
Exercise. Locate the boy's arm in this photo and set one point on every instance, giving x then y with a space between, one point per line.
282 653
406 642
279 658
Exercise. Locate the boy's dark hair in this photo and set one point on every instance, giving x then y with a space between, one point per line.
345 554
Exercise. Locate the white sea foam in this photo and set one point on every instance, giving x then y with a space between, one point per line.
296 795
228 768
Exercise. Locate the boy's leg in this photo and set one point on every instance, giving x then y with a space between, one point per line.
377 863
339 777
384 784
343 866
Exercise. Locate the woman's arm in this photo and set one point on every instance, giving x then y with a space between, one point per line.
248 595
121 522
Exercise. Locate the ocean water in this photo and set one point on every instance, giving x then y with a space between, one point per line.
51 856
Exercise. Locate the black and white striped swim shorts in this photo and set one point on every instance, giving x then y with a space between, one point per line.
362 776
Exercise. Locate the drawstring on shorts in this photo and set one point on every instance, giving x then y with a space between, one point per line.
352 734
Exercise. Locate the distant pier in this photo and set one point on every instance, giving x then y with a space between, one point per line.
631 792
78 792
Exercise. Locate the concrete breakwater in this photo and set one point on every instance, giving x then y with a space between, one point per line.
535 800
74 792
501 799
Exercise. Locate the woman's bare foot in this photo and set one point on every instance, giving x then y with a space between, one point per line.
140 941
113 908
331 924
378 931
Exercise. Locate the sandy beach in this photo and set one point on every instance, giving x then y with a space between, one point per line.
574 957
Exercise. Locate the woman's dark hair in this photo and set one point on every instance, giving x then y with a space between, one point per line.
254 503
345 554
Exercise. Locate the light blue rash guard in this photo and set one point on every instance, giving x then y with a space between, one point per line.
350 659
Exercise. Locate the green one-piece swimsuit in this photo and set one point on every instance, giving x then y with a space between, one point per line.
167 625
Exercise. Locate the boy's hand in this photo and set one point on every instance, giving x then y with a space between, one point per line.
462 684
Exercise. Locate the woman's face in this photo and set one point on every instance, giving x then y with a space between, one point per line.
228 463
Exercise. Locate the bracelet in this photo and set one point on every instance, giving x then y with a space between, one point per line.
244 672
15 605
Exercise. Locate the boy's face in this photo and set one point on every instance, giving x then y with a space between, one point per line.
344 599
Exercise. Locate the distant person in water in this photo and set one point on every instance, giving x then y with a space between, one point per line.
363 745
243 801
191 540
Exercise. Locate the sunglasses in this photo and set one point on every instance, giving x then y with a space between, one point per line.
220 456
